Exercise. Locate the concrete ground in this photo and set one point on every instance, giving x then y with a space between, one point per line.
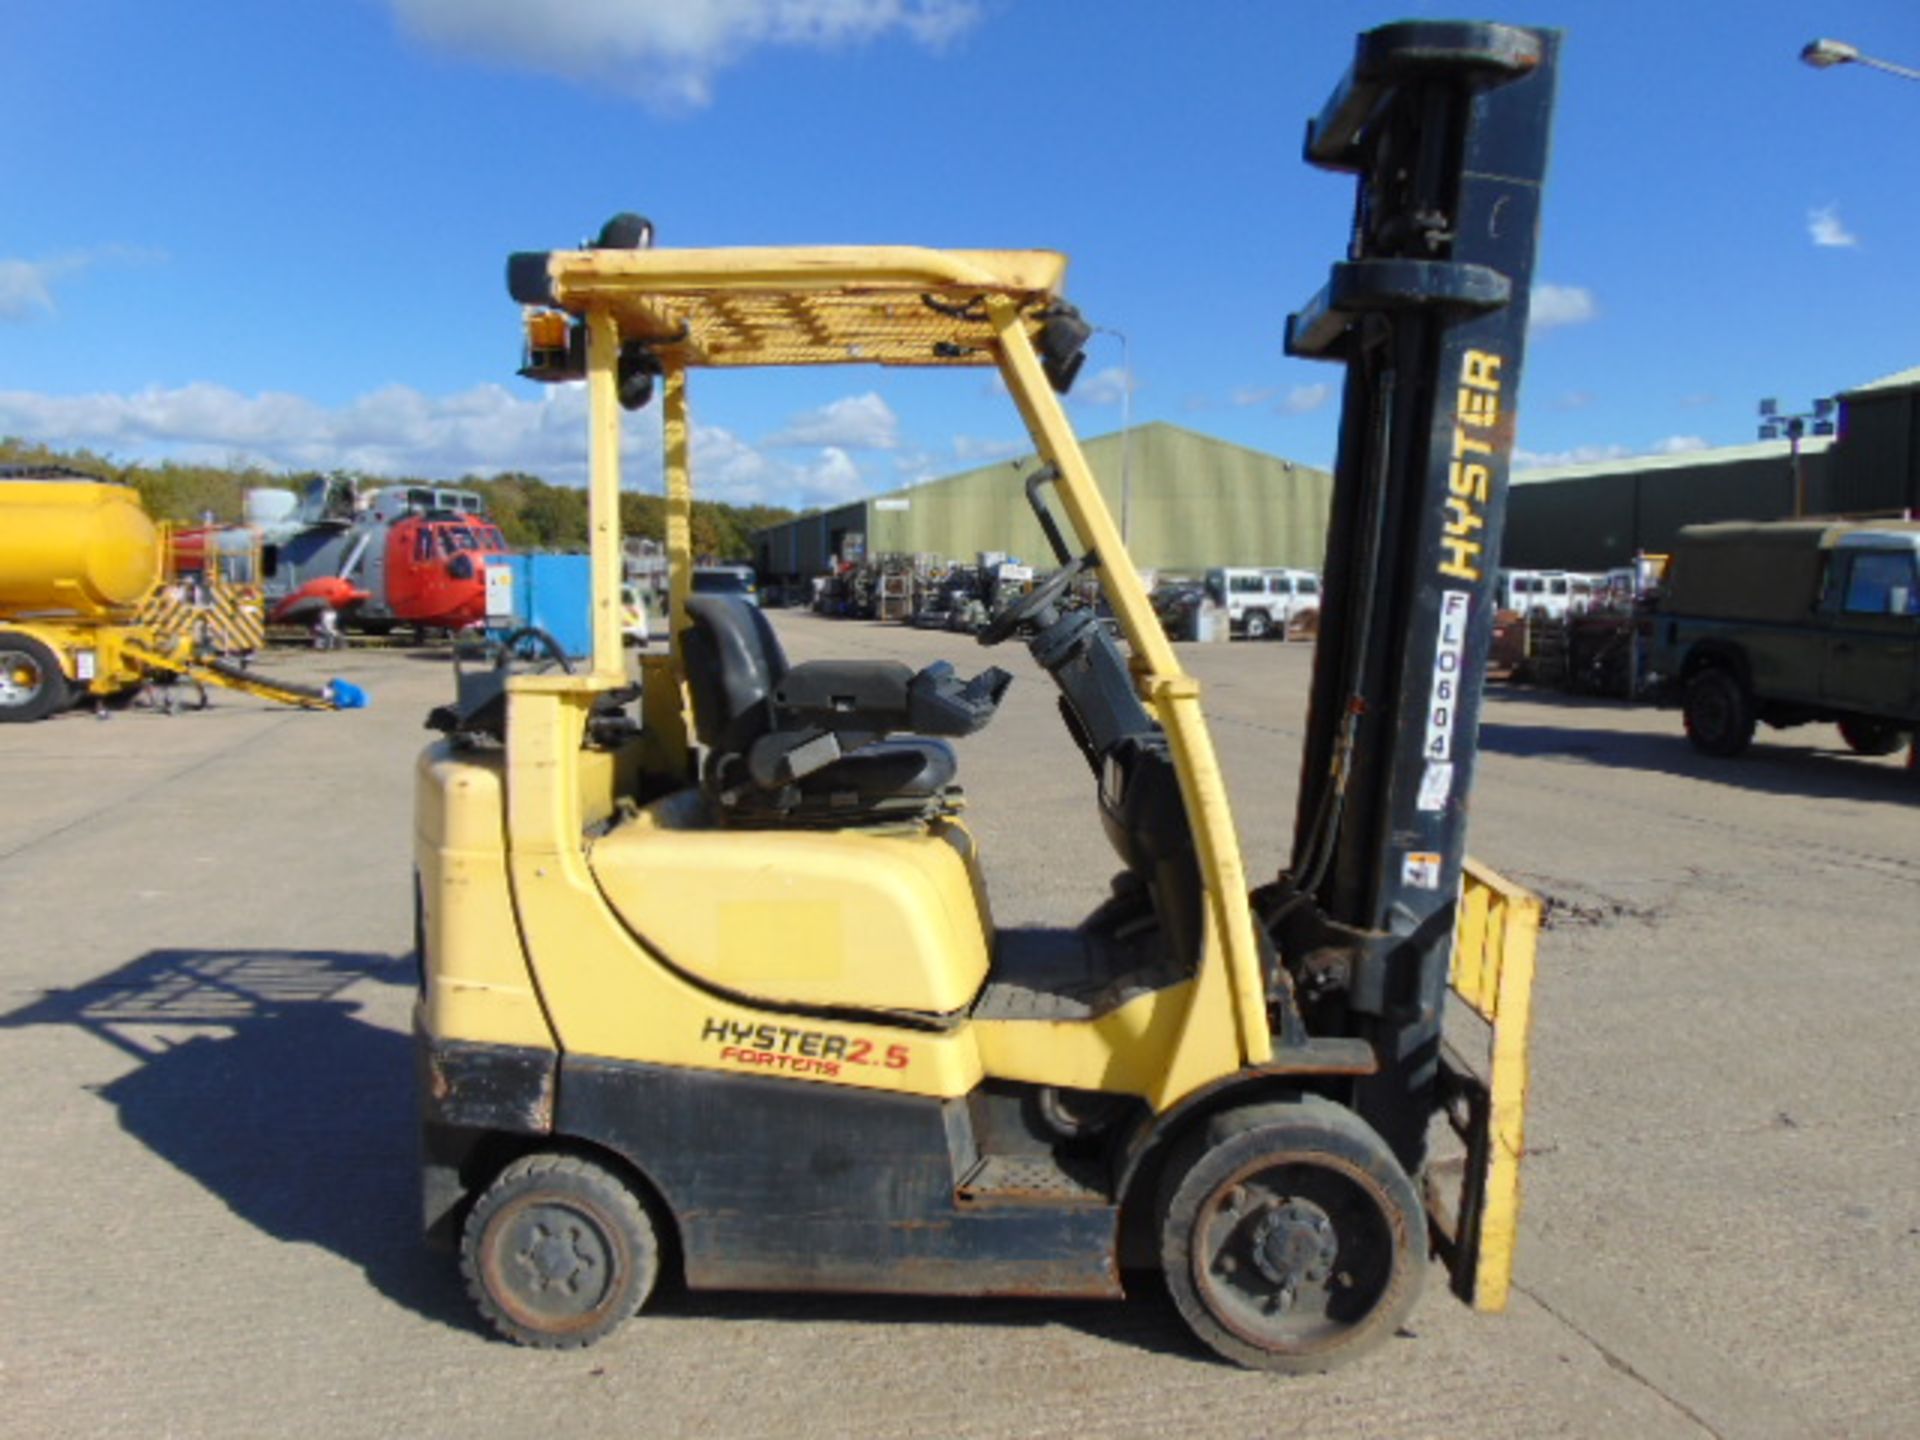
207 1221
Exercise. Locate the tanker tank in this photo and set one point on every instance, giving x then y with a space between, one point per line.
72 545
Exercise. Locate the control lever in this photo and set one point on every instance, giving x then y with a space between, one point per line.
938 703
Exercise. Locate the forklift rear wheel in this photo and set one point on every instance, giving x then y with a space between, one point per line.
31 683
1291 1238
1872 737
1718 713
558 1252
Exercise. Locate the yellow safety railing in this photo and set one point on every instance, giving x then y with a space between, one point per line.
213 612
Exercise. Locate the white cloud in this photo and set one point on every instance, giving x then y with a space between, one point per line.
725 467
831 479
666 52
1578 455
400 431
910 467
26 286
1304 399
1107 387
857 422
981 451
1592 454
1823 225
1556 305
1679 445
391 431
1294 400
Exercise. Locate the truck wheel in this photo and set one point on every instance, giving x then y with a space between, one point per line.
1291 1238
1718 712
1872 737
32 685
558 1252
1257 625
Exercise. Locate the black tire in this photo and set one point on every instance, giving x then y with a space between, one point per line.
32 685
1872 737
1323 1247
558 1252
1718 713
1256 625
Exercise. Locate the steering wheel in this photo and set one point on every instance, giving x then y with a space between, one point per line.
528 638
1030 605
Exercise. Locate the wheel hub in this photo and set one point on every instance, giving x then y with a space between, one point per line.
1294 1244
558 1262
555 1261
19 678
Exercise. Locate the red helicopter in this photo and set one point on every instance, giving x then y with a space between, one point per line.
399 555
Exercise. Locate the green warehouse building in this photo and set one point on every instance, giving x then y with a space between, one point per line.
1596 516
1185 501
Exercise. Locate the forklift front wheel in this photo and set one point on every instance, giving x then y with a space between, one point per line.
558 1252
1291 1238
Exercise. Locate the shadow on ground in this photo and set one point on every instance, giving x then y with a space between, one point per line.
256 1076
1771 766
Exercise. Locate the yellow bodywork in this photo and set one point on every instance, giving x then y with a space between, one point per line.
878 919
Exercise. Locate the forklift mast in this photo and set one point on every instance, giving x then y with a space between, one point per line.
1444 125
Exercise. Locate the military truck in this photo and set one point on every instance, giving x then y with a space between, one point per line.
1789 623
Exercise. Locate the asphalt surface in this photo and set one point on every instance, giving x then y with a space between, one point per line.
207 1220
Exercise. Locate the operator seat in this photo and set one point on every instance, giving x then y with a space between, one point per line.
803 744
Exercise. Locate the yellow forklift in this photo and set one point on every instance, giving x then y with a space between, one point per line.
709 977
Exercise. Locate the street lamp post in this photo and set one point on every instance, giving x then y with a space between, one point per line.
1825 54
1774 425
1126 427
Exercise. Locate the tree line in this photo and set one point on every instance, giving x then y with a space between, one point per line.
532 514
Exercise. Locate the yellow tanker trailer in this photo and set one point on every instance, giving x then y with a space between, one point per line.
80 565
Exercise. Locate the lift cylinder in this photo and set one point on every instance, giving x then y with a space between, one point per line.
73 546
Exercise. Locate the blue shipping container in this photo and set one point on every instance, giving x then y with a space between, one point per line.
552 593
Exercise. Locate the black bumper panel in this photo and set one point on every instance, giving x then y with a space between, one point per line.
781 1186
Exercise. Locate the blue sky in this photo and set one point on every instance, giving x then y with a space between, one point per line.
276 232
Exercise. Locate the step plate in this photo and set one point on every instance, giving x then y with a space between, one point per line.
1033 1179
1070 975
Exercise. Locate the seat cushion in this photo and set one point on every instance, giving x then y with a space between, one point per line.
912 770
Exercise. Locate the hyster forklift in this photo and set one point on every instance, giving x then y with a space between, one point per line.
709 980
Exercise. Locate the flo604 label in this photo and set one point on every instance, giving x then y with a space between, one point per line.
796 1051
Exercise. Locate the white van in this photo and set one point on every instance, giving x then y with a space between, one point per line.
1263 601
1551 594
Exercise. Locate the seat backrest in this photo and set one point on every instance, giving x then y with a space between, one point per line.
733 662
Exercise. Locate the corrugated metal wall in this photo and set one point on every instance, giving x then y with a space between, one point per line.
1595 521
1593 517
1879 458
1191 502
